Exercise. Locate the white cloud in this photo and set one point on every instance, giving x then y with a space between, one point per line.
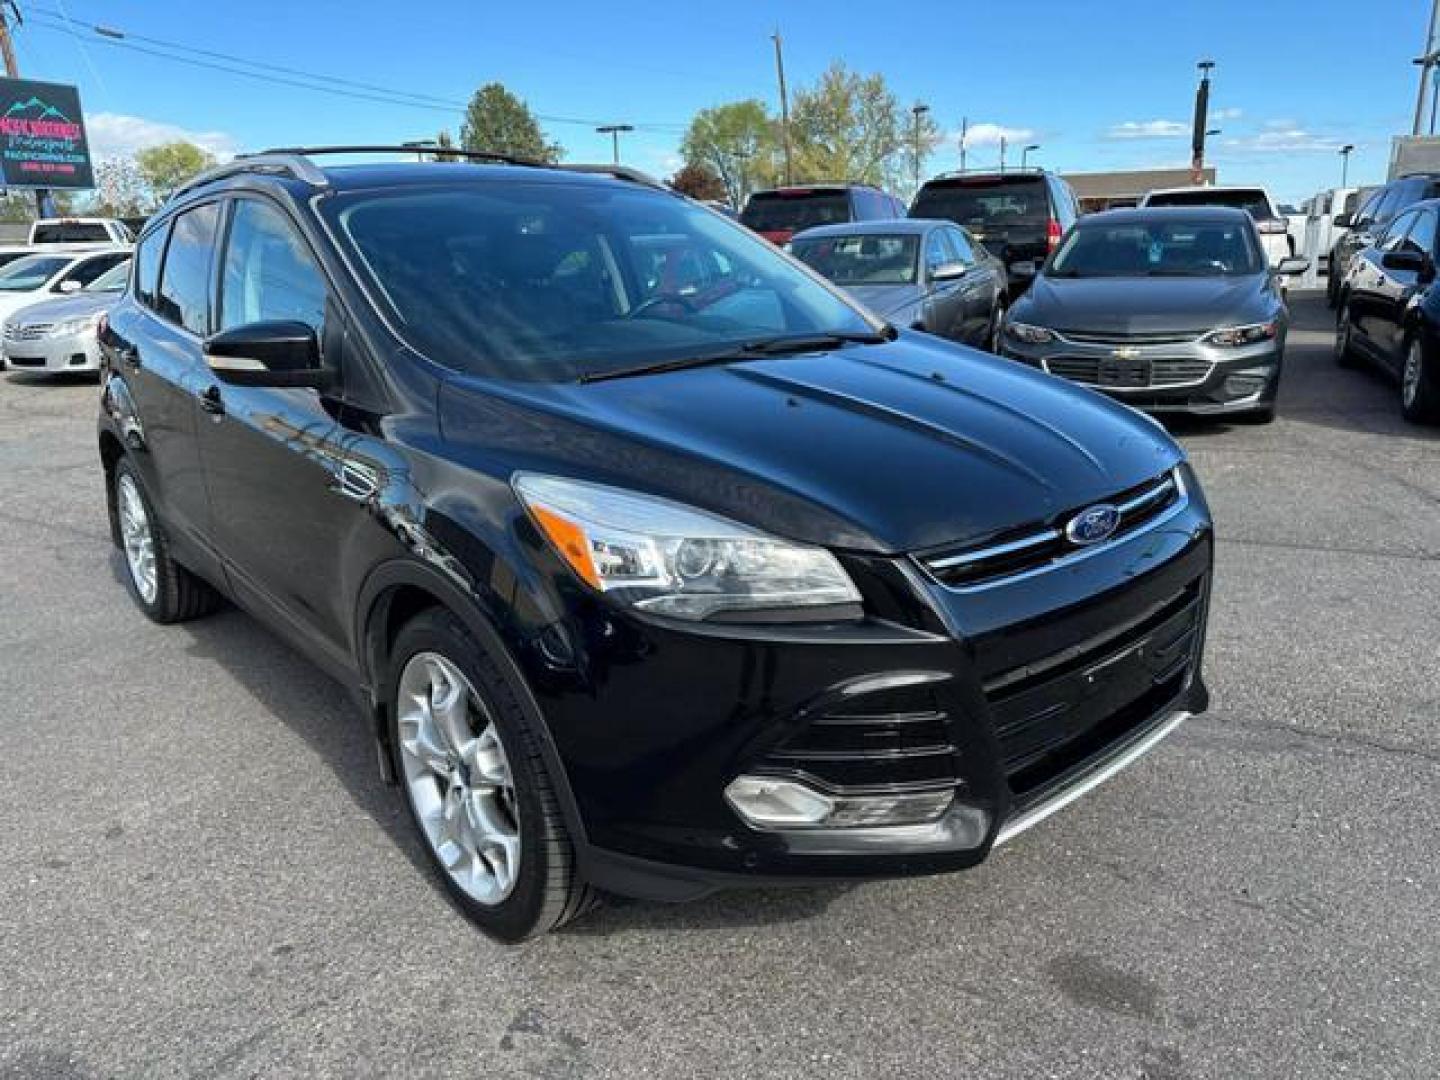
1147 129
1227 114
1284 137
119 135
991 134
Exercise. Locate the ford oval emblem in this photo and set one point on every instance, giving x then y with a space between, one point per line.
1093 524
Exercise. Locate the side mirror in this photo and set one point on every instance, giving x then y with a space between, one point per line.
281 354
1406 261
1343 221
1292 264
68 287
949 271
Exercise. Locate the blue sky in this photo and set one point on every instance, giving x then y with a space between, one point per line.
1100 84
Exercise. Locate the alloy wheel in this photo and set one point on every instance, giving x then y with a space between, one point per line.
137 538
458 778
1410 378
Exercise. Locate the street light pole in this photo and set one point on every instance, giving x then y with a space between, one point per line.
1025 154
1345 152
1426 61
1202 115
918 111
614 130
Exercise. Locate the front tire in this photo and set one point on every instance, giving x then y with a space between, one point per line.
1419 386
476 784
1345 355
163 589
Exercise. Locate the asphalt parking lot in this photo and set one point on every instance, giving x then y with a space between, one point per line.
203 875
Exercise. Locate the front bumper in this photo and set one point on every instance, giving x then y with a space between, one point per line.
1177 377
1018 695
71 352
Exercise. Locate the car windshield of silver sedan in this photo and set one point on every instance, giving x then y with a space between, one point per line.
1169 249
558 282
26 275
861 260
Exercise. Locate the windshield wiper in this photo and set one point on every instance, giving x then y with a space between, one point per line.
751 350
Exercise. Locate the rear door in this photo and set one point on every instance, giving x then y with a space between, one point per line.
154 345
267 452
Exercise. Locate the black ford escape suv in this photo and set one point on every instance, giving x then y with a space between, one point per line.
656 565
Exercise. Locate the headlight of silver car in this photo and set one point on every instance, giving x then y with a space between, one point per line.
75 326
1233 337
1030 335
674 560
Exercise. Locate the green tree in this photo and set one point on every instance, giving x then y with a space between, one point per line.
498 121
846 128
165 167
698 181
738 142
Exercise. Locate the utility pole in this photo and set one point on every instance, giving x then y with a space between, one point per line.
1002 153
1427 61
964 134
918 111
614 130
1202 119
784 105
10 9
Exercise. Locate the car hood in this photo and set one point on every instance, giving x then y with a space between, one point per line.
67 307
886 300
1144 304
884 448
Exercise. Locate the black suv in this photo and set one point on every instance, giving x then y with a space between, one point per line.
1361 229
1019 215
655 564
779 213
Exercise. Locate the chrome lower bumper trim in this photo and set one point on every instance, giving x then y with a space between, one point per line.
1090 780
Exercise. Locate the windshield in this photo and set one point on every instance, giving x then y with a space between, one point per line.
553 281
792 211
25 275
1250 199
113 280
988 207
861 260
1157 249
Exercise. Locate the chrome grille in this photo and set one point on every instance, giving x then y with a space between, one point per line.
1162 337
26 331
1140 373
1044 544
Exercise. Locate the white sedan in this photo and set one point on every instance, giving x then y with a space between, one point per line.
49 275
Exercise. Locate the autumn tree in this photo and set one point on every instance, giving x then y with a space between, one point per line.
846 128
164 168
737 141
699 182
499 122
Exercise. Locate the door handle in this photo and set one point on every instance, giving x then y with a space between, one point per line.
212 401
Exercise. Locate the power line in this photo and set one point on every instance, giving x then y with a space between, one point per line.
297 78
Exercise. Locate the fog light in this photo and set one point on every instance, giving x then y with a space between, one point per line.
1238 386
770 803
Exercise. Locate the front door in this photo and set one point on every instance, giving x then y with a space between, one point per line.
276 519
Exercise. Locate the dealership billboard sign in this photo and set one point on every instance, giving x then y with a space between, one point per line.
42 136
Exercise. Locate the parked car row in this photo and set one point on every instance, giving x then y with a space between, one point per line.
51 301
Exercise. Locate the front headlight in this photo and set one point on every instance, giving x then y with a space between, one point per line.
674 560
1030 335
1233 337
75 326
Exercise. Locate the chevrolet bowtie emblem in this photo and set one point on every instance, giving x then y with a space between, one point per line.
1126 352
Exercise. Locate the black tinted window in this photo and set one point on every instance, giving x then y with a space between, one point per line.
269 273
70 232
87 271
1421 236
1396 231
185 279
791 211
1252 200
147 266
987 206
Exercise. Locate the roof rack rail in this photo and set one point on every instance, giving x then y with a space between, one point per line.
620 172
294 161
